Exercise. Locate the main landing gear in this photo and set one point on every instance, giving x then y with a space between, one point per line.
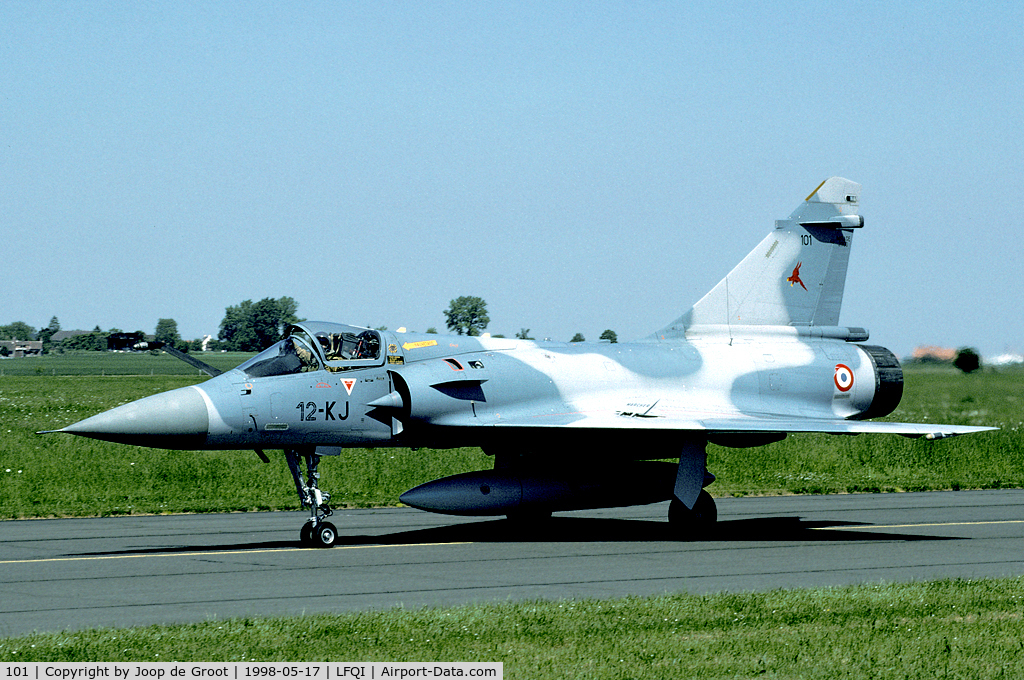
697 523
692 513
316 532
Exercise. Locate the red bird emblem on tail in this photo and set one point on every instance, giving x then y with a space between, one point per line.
795 276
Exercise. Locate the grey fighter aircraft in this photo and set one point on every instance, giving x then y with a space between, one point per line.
570 426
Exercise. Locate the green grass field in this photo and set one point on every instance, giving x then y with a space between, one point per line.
952 628
59 475
116 363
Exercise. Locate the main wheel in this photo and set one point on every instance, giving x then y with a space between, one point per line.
325 535
696 523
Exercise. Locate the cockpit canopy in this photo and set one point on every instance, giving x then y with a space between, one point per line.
315 345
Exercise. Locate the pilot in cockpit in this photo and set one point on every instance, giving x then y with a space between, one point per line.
348 346
367 346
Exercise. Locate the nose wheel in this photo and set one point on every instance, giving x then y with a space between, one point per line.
316 532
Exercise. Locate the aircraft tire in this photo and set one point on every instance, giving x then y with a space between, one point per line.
325 535
306 534
696 523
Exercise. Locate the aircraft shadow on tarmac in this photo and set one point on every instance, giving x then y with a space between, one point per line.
579 530
594 530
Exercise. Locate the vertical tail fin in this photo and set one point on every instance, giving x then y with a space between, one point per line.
795 276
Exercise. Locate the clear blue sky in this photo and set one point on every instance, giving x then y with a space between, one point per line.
580 166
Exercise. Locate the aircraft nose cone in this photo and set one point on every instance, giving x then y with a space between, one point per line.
171 420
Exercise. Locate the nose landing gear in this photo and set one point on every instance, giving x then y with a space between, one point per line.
316 532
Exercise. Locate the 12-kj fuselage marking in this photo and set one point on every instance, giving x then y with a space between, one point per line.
308 411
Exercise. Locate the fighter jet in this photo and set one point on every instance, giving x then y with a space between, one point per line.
570 425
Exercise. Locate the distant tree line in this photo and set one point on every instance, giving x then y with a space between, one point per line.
251 327
247 327
19 330
254 326
467 315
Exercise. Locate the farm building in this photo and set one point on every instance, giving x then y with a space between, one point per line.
21 348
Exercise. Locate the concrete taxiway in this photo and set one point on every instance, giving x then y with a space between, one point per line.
126 571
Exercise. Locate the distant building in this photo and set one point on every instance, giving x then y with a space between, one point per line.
60 336
22 348
1006 359
931 353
